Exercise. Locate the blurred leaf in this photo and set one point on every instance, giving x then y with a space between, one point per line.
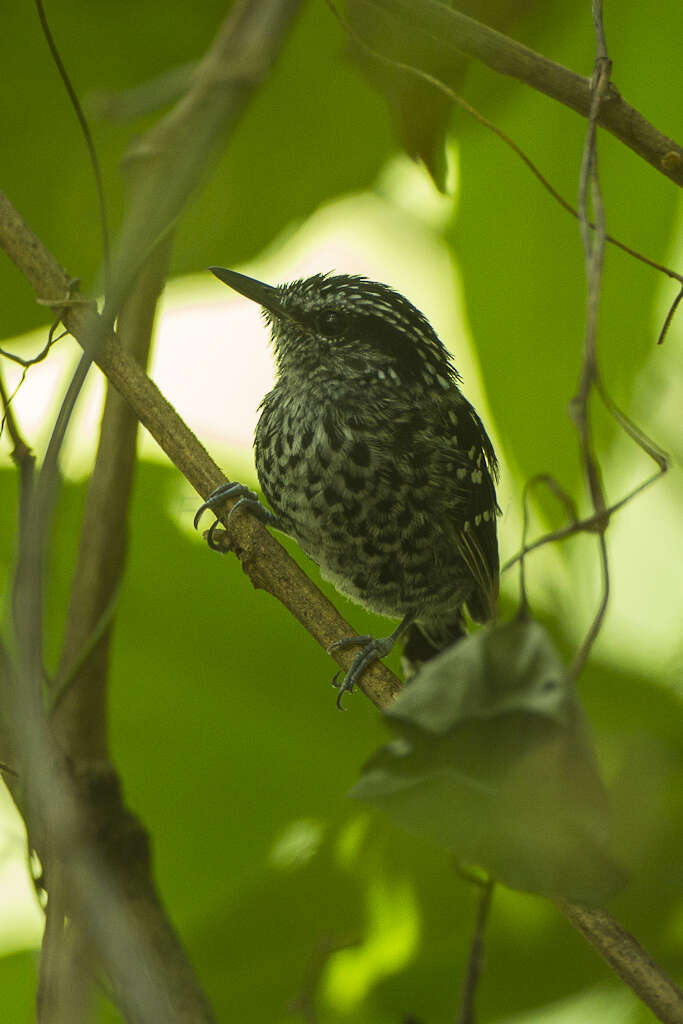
493 761
511 668
421 112
18 977
300 143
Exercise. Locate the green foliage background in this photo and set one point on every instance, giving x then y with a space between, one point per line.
222 725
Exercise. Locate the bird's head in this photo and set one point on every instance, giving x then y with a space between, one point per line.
346 324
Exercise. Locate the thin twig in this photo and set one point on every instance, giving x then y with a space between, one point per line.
594 256
466 1013
87 135
20 450
596 625
669 317
653 450
32 360
567 501
591 524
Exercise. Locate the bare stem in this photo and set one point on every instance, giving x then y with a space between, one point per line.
594 255
466 1013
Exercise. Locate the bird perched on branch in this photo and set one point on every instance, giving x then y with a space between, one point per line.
372 459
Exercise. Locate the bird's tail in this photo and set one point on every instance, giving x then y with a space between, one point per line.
421 644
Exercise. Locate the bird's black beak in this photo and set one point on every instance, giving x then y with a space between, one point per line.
264 294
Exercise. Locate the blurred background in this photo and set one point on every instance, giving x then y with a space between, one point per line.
222 718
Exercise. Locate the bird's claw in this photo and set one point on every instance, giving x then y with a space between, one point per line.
250 499
228 490
374 648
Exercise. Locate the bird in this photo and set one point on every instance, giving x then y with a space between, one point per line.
372 459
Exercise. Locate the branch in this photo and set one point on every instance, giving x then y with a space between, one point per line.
90 847
466 1012
78 696
450 31
97 852
628 959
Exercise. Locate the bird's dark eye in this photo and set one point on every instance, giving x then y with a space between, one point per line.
332 323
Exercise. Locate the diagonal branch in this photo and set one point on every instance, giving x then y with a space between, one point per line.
450 31
262 557
628 959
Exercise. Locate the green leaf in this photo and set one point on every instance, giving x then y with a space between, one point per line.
420 112
493 761
510 668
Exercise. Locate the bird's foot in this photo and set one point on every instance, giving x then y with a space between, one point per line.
247 500
373 648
